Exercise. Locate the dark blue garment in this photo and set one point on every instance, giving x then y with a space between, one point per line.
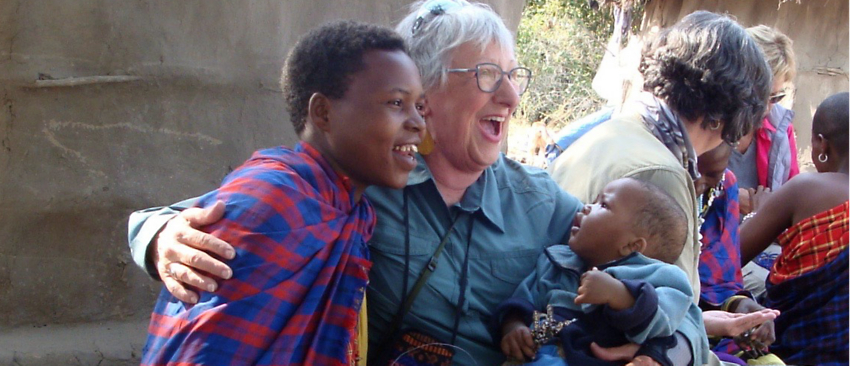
813 326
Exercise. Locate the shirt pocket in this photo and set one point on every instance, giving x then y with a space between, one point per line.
513 267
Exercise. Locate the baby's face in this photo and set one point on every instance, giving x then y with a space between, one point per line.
601 229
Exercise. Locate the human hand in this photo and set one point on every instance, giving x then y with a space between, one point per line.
517 342
758 196
720 323
181 253
601 288
622 353
745 200
643 360
763 335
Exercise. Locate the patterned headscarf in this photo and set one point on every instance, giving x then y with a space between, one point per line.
669 129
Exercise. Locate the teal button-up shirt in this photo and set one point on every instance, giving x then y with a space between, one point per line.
505 220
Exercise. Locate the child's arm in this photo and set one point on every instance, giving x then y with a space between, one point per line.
600 288
517 342
641 310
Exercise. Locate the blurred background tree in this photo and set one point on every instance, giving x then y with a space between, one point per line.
562 42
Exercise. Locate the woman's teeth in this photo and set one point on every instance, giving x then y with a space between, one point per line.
406 148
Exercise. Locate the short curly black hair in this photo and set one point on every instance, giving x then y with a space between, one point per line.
324 59
662 221
707 65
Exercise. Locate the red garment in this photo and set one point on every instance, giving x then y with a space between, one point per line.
299 275
811 243
764 142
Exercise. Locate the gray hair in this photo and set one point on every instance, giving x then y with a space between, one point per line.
437 36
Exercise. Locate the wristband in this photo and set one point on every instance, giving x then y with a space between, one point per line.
731 302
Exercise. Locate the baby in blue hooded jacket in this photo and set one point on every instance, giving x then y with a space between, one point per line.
613 284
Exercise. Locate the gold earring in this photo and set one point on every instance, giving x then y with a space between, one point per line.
427 145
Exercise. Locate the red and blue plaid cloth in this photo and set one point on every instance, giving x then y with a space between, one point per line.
720 257
299 275
809 285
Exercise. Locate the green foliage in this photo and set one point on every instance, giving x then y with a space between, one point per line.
562 41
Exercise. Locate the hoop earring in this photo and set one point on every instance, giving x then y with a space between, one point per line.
714 125
427 145
822 158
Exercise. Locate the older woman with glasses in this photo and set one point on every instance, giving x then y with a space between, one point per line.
463 233
467 228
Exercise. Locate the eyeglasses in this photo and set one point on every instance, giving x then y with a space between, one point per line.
775 98
430 10
490 77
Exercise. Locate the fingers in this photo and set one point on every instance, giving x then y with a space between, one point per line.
176 288
518 344
625 352
182 243
205 242
581 298
198 217
747 321
726 324
511 347
188 262
191 277
764 334
528 346
643 360
186 232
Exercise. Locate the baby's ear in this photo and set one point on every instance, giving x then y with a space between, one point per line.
637 244
318 111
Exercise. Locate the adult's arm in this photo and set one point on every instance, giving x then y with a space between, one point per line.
165 242
775 214
143 227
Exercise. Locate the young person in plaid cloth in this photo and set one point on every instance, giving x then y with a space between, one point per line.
721 280
808 217
297 217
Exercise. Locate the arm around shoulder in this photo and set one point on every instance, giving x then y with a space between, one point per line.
144 225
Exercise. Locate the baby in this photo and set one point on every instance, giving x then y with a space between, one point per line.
613 284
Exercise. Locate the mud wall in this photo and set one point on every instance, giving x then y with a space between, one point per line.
107 107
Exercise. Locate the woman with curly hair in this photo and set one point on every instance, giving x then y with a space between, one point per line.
693 99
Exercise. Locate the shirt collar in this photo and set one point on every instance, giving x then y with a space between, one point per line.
483 195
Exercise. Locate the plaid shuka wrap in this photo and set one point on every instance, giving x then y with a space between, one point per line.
813 292
811 243
720 255
299 275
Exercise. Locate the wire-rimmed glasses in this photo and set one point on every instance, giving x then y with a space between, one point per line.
490 76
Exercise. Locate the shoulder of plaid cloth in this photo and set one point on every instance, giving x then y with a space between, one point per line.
811 243
299 238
